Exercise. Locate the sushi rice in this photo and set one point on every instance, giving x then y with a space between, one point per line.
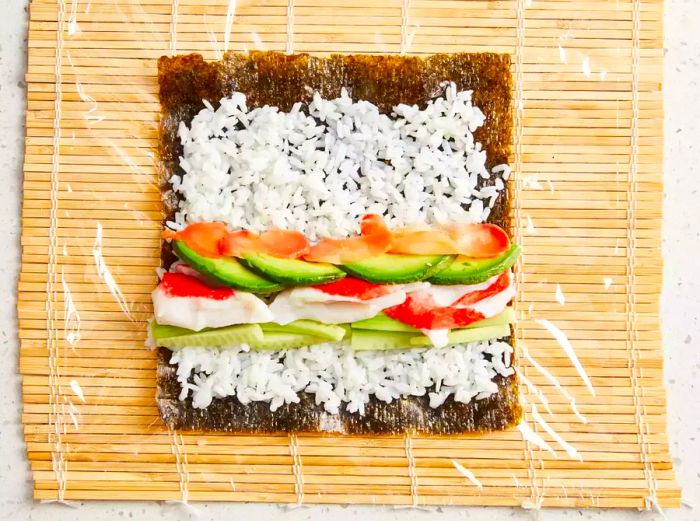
318 169
334 374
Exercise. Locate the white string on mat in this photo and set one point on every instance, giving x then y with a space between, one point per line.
405 9
230 14
56 424
535 494
177 444
175 447
640 410
297 468
412 473
173 27
289 49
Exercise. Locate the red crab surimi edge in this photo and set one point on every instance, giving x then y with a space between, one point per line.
181 285
420 311
501 283
357 288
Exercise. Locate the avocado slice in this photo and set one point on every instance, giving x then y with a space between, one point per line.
474 271
292 271
226 270
392 268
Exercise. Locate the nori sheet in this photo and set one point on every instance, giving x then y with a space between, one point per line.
272 78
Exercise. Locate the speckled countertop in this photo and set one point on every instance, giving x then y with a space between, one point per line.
681 307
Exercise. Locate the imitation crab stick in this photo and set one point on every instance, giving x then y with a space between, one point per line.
422 308
184 301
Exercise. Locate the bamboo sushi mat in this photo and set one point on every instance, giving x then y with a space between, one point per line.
587 156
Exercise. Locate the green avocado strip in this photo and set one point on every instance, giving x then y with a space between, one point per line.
293 272
475 271
226 270
394 268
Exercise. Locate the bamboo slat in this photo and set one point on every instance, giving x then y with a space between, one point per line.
587 157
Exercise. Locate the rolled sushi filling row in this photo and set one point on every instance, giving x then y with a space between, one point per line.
386 312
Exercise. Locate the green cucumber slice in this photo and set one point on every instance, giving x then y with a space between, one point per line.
507 316
382 322
464 336
367 340
276 340
372 340
176 337
307 327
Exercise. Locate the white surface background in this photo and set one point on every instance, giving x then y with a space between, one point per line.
681 307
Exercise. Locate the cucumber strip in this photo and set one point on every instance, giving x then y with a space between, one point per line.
464 336
367 340
371 340
307 327
276 340
507 316
159 331
382 322
217 337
